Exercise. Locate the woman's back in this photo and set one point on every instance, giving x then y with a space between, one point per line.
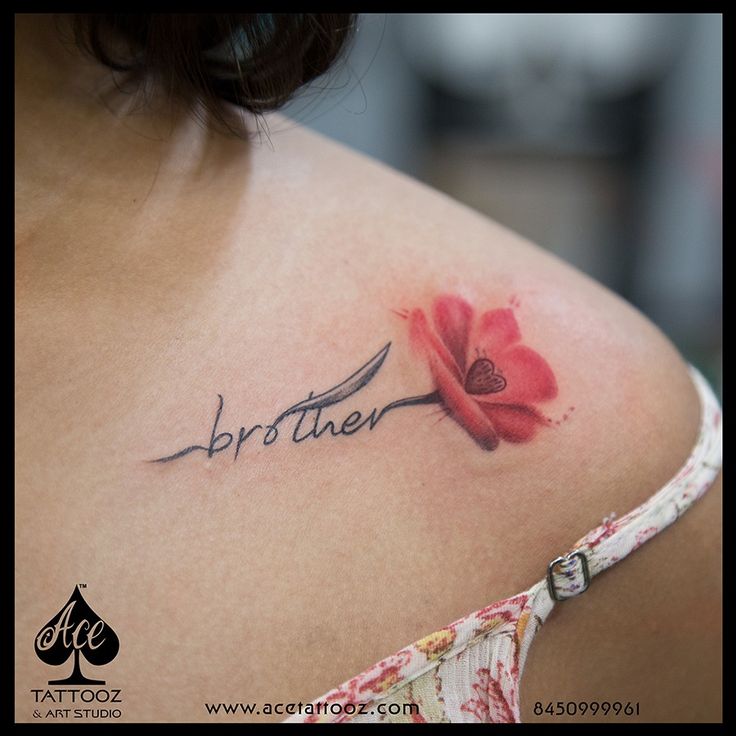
184 293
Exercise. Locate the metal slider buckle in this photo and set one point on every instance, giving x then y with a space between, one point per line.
567 559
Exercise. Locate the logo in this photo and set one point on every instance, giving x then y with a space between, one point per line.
77 630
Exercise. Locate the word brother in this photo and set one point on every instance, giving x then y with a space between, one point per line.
308 412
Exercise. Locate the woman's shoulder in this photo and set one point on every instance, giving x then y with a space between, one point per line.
561 403
444 280
406 406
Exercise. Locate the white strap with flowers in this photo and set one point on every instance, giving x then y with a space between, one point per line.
616 538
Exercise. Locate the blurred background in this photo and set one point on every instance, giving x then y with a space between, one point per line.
597 136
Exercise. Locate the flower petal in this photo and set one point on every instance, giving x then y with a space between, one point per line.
423 339
463 408
452 319
528 377
497 330
514 422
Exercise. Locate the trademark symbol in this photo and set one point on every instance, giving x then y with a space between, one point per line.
82 585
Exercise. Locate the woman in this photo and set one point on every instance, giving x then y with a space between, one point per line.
283 411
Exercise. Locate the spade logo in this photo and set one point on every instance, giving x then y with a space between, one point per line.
76 629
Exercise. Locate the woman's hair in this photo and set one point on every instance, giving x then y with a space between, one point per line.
255 61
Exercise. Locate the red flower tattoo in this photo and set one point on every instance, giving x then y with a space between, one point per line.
487 381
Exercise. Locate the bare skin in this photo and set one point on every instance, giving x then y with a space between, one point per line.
158 265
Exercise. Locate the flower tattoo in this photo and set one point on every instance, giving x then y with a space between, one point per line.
487 381
484 378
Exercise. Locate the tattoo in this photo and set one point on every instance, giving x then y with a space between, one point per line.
488 382
313 427
489 385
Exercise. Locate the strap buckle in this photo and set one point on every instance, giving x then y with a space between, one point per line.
567 561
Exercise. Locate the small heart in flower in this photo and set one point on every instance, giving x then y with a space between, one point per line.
482 378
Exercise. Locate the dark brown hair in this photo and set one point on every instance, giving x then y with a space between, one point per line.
255 61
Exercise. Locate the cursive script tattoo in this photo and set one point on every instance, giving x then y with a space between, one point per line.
308 415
